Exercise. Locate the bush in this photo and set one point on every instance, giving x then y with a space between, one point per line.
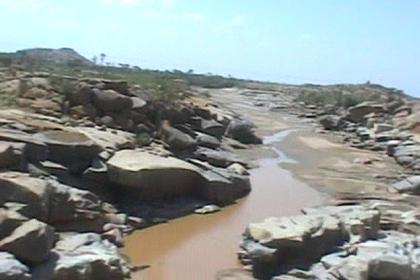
169 90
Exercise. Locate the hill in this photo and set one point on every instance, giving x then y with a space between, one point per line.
45 56
67 62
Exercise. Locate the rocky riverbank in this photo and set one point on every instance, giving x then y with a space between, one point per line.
89 161
81 168
367 164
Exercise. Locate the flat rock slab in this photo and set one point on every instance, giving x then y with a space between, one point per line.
153 176
111 101
358 112
109 139
68 145
35 149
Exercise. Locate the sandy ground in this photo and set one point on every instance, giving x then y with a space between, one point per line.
322 160
337 169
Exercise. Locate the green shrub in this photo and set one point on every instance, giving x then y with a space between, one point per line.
169 90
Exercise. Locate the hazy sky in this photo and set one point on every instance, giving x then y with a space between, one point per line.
317 41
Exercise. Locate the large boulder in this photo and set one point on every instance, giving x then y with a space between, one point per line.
298 232
83 257
12 269
391 266
352 268
153 176
213 128
243 131
277 243
9 221
8 157
359 223
111 140
118 86
217 158
175 114
111 101
408 185
382 127
82 95
20 187
357 113
330 122
70 148
406 154
33 150
207 141
394 255
176 139
223 187
31 242
72 209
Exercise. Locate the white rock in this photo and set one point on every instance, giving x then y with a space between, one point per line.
12 269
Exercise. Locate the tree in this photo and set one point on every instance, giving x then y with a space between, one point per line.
95 59
190 72
103 56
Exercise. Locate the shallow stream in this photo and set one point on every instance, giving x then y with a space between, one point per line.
197 247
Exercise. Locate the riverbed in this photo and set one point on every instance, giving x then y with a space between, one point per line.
298 166
197 247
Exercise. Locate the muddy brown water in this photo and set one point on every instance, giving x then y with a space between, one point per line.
196 247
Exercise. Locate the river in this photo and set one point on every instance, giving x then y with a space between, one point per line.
196 247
